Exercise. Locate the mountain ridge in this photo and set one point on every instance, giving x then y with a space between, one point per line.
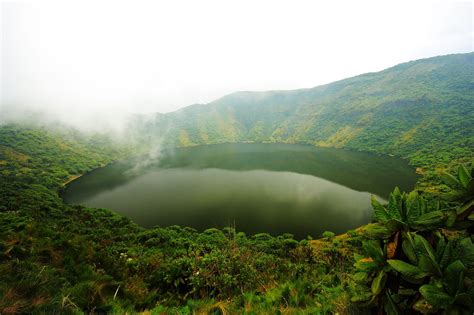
416 110
467 55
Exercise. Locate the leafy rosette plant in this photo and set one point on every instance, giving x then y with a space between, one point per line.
407 212
371 276
462 190
444 273
433 280
419 255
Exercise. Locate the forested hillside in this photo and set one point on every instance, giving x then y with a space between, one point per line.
416 256
60 258
422 110
64 258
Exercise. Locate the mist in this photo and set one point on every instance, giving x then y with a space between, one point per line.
91 65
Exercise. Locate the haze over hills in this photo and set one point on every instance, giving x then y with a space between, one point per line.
104 262
304 179
422 107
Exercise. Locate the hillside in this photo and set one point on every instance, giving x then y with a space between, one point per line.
417 256
60 258
56 257
419 110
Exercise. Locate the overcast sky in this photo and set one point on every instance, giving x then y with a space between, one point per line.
139 56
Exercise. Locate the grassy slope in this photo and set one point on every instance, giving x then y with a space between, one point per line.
419 110
91 254
56 257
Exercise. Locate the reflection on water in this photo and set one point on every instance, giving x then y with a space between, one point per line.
256 187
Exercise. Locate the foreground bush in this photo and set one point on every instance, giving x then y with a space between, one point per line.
420 256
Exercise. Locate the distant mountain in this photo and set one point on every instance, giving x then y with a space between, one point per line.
422 110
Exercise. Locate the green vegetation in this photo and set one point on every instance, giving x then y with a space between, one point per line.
417 255
57 257
421 255
420 110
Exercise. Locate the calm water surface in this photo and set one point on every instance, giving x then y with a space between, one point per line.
275 188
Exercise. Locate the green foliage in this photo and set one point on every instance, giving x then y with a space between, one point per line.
328 234
408 212
420 110
104 262
417 256
426 263
70 259
461 189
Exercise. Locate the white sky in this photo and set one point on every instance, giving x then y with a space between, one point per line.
141 56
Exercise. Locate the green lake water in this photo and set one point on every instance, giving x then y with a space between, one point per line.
274 188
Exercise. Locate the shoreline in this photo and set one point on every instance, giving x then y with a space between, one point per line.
71 178
418 170
74 177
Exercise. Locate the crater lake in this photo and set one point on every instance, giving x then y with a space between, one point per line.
274 188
